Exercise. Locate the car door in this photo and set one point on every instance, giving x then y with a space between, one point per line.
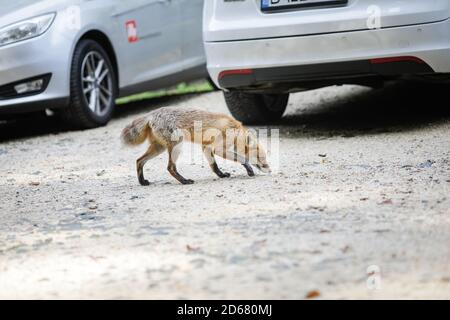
192 18
151 43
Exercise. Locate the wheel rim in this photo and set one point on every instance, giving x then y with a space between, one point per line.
97 83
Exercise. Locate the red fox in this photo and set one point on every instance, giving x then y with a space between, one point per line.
219 135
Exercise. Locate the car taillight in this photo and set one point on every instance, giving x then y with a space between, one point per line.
235 72
397 59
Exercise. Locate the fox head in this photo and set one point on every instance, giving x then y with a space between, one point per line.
256 154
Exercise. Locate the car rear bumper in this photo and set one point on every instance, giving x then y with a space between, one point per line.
330 55
296 78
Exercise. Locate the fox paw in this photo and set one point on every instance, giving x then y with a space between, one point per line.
224 175
187 181
144 183
249 170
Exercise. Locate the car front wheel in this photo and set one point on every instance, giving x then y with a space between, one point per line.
252 108
93 86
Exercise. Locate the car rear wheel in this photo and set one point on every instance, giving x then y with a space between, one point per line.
252 108
93 87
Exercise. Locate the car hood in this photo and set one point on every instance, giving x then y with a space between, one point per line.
14 11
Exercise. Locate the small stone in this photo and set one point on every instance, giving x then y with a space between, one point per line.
101 173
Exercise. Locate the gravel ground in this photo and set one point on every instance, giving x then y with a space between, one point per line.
359 207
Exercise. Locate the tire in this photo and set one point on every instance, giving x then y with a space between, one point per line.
85 111
252 108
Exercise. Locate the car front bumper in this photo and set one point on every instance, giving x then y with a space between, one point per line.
429 43
48 54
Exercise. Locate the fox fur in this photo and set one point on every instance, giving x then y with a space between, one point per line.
219 134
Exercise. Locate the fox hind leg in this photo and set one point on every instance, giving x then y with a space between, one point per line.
154 151
209 154
174 153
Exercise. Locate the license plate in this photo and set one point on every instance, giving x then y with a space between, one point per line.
275 5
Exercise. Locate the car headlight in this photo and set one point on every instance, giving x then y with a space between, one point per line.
26 29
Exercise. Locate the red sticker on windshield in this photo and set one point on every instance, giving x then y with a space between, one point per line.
132 31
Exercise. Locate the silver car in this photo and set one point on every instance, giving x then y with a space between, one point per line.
79 55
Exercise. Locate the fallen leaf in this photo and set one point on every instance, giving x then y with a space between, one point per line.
35 184
388 201
313 294
191 249
96 258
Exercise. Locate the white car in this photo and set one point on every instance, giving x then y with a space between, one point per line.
259 51
76 57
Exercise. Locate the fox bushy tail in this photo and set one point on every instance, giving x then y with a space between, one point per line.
136 133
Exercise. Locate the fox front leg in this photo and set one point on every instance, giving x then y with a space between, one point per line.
249 169
209 155
233 156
